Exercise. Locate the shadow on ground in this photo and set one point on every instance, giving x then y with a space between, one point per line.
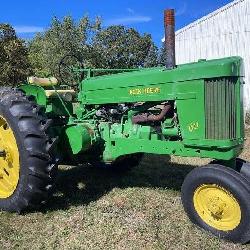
83 184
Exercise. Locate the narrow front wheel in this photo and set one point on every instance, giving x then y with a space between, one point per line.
217 199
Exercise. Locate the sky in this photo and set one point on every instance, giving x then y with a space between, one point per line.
31 16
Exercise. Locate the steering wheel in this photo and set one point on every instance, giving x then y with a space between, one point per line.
67 74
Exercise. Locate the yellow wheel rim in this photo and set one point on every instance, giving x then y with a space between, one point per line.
9 160
217 207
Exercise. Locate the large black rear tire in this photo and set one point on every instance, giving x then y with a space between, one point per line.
217 199
29 167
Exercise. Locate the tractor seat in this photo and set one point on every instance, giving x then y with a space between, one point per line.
43 82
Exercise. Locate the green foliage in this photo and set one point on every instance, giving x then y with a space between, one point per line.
62 38
162 55
14 64
112 47
151 59
96 47
119 47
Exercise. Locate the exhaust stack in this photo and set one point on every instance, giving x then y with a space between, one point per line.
169 25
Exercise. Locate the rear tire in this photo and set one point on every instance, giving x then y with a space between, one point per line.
217 199
34 171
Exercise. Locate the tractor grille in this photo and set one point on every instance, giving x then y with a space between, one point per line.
220 108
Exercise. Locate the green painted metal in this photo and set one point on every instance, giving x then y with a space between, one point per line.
208 119
54 106
79 137
155 84
92 72
36 91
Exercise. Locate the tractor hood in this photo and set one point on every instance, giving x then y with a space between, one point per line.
106 89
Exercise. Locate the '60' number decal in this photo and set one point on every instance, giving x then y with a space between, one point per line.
193 126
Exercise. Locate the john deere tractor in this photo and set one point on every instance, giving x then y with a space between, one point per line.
189 110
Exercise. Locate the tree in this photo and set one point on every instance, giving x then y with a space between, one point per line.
120 47
151 59
162 55
112 47
62 38
14 64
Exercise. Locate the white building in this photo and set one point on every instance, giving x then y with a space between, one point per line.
225 32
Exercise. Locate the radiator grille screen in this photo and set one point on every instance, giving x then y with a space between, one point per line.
220 108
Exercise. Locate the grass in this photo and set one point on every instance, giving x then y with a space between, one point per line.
96 209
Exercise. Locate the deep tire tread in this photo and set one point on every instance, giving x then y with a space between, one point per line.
35 181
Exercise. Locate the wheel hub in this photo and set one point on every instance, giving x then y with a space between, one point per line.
217 207
9 160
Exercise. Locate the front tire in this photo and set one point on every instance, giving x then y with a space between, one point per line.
217 199
26 163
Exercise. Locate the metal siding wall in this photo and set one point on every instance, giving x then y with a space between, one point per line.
225 32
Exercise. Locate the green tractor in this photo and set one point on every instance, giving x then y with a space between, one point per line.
190 110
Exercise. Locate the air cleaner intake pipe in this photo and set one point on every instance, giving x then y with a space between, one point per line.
143 118
169 25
